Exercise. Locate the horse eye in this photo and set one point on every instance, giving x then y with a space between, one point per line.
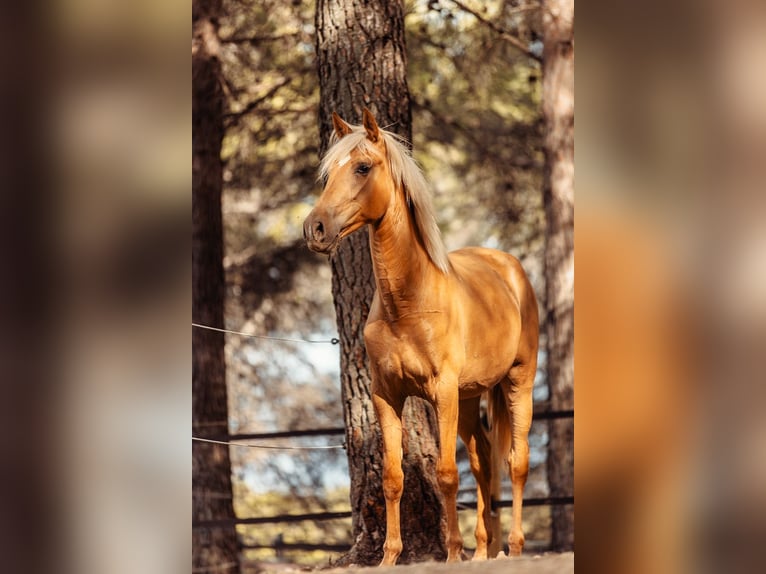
363 169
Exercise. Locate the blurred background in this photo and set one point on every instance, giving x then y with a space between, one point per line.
477 125
671 311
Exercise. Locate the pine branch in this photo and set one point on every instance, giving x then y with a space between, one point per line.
233 117
255 40
504 34
521 159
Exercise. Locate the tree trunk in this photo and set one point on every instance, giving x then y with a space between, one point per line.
558 111
214 548
361 62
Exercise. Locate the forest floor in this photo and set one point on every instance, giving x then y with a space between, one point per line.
548 563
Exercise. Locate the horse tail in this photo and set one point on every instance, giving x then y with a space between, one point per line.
500 442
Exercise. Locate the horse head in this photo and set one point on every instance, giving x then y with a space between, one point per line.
358 184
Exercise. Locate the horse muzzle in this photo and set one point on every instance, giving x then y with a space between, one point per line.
315 232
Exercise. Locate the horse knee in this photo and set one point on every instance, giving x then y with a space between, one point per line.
448 480
393 483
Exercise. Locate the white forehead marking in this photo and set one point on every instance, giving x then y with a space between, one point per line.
344 161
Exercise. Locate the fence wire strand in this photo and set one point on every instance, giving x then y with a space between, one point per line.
333 341
274 447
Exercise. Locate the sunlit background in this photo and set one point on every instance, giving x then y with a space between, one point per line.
478 136
671 312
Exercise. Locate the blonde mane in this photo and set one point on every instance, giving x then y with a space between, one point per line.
406 173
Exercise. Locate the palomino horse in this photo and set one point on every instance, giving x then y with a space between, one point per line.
446 328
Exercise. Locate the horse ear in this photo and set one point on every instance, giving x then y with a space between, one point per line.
341 127
370 126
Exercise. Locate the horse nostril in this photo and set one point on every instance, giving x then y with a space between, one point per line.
318 231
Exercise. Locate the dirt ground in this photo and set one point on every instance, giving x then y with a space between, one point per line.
549 563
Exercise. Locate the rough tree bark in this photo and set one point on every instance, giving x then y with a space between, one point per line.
361 61
558 111
211 470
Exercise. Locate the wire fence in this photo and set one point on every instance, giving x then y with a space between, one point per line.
235 439
238 440
323 516
269 446
333 341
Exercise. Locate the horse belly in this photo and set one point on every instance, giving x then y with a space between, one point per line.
478 376
490 353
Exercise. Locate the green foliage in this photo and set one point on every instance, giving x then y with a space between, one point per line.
270 147
476 111
478 122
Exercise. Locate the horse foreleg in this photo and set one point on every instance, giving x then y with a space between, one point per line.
390 419
446 470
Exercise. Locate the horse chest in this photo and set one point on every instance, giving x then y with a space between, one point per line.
411 358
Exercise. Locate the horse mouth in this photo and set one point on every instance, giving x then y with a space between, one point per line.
326 248
329 247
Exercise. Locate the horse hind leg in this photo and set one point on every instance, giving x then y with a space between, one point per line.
475 439
518 394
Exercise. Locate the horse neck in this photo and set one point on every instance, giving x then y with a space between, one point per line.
401 264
